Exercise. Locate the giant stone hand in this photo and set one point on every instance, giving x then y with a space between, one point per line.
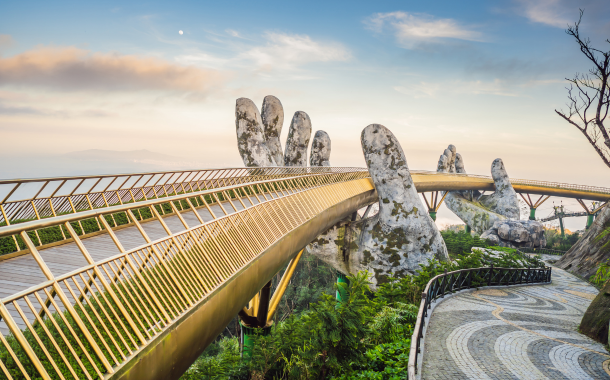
401 236
258 137
479 211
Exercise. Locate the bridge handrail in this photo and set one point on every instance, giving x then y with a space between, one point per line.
517 181
543 251
155 284
61 195
91 213
450 282
565 215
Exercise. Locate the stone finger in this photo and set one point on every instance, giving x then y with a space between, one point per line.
320 150
298 140
272 114
446 162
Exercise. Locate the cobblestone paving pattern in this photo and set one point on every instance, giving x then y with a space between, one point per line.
526 332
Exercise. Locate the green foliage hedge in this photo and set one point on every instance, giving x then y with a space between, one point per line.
365 337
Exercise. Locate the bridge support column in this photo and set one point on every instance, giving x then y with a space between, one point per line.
532 213
342 283
434 203
590 218
534 205
258 317
253 321
563 233
592 212
247 337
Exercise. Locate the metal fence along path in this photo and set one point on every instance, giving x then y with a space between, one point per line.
451 282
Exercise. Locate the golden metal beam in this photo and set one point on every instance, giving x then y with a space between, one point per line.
283 285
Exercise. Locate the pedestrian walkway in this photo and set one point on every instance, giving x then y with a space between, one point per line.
525 332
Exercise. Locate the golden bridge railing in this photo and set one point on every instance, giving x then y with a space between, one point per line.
85 323
27 199
519 182
24 200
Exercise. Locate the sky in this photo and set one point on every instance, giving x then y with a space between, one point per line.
485 76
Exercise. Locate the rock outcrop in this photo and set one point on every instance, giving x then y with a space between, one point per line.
516 234
320 150
298 140
584 257
272 114
479 211
401 236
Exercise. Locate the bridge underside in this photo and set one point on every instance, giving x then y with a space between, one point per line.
171 353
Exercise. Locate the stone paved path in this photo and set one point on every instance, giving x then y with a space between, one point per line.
526 332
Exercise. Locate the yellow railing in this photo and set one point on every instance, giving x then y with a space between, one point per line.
39 198
27 200
519 182
86 323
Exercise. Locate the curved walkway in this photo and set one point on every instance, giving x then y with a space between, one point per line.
525 332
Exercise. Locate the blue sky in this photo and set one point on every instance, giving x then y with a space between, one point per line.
483 75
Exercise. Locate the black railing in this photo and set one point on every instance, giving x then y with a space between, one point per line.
542 251
450 282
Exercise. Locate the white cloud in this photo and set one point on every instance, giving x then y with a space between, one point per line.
410 29
233 33
431 90
549 12
279 51
288 51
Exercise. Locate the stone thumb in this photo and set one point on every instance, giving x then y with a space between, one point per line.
500 177
388 168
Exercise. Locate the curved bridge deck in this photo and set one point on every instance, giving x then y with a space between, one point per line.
143 299
526 332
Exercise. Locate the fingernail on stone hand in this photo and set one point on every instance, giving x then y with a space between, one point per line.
272 114
250 135
320 150
298 140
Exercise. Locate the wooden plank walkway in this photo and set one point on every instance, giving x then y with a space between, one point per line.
22 272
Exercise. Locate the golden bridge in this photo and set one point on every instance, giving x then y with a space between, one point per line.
131 276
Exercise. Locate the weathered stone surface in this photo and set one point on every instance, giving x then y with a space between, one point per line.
250 135
594 322
504 200
401 236
298 140
584 257
478 211
516 234
272 114
320 150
